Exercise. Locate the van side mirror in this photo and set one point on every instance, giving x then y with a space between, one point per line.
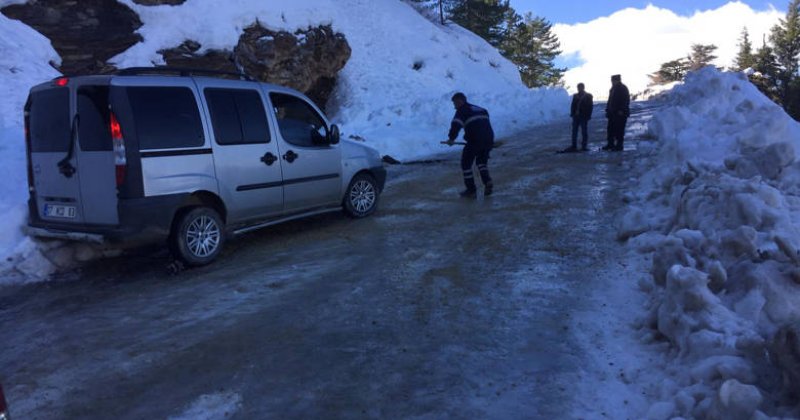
334 134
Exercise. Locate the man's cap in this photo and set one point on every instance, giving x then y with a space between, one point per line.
580 85
459 96
616 78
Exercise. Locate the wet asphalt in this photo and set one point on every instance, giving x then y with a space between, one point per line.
435 307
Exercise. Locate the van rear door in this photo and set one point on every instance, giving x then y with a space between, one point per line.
94 154
55 181
69 141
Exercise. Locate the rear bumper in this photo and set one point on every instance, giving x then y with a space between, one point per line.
141 220
54 233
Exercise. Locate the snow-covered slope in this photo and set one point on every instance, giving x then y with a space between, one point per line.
24 57
720 212
380 97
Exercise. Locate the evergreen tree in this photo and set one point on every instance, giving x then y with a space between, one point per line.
485 18
766 78
671 71
701 56
532 46
785 38
765 61
744 58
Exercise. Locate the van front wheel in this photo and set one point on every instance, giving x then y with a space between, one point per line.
197 236
361 198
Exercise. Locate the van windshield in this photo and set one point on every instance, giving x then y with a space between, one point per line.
49 120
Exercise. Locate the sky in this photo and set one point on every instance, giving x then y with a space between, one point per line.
632 38
575 11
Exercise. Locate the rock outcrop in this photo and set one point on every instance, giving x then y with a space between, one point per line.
307 60
85 33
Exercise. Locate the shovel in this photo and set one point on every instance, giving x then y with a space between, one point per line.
461 143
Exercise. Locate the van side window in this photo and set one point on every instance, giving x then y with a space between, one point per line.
49 120
94 134
166 117
299 123
237 116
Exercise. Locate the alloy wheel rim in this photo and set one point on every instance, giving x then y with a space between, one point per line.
202 236
362 196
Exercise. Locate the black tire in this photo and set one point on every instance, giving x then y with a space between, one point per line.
361 197
197 236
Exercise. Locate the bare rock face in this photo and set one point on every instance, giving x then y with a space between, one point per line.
159 2
85 33
186 56
305 60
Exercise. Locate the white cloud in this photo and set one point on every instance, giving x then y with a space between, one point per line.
634 42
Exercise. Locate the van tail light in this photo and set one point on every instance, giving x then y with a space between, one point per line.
31 184
120 161
3 406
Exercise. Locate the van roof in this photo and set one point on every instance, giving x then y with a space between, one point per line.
166 72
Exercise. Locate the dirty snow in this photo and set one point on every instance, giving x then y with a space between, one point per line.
717 210
221 405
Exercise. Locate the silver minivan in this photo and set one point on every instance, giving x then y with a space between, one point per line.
158 153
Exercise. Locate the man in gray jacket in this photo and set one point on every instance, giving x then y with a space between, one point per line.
581 113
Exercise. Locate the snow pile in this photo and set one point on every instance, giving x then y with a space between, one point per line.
24 57
380 97
654 91
720 212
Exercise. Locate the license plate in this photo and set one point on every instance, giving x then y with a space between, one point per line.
56 210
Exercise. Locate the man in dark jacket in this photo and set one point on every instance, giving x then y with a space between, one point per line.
617 112
581 113
479 137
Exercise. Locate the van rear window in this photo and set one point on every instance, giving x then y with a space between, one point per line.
49 120
165 117
94 133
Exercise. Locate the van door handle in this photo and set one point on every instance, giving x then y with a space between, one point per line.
269 158
290 156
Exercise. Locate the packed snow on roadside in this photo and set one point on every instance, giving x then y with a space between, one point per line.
380 98
718 209
654 91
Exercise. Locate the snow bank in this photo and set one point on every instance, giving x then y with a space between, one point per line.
380 97
654 91
720 212
24 58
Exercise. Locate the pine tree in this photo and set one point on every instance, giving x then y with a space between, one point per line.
671 71
701 56
785 37
767 68
485 18
744 58
532 46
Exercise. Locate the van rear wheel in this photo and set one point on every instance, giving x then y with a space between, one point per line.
361 198
197 236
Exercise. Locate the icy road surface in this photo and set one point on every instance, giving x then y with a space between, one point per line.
435 307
